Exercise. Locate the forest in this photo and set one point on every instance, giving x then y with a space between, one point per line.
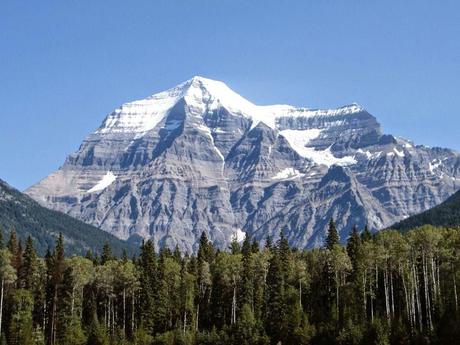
383 288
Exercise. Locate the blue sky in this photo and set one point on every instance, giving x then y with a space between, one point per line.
65 64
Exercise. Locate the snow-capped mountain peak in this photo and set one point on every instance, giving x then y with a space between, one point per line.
203 94
194 158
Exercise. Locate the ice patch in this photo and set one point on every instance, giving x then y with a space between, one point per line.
368 154
298 139
106 181
238 235
398 153
287 174
434 165
207 130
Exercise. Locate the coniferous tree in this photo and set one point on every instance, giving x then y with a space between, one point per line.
15 250
275 305
332 238
161 302
55 273
235 247
353 246
96 333
148 271
247 274
106 253
21 326
205 249
255 246
366 235
28 269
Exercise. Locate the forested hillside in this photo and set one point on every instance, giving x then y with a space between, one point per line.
27 217
445 214
384 289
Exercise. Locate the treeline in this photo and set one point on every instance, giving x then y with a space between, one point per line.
387 288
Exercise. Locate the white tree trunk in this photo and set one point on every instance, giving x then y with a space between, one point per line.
124 312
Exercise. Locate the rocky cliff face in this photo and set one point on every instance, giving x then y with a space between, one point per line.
199 157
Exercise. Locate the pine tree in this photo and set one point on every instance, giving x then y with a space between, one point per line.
55 273
21 326
148 271
106 253
74 334
161 302
366 235
235 247
275 308
332 235
205 249
268 243
96 333
353 245
28 268
255 246
15 250
247 274
203 282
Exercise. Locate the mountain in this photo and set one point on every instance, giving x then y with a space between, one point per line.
29 218
199 157
446 214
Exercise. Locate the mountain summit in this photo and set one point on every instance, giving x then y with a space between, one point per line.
199 157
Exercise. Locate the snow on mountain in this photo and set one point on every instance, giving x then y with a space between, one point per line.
106 181
299 141
205 95
199 157
288 173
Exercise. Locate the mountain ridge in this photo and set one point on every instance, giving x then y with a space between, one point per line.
199 157
20 212
446 214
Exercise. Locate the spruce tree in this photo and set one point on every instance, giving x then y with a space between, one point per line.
255 246
332 238
275 308
106 253
353 245
366 236
268 243
247 274
235 247
205 249
96 333
148 271
55 271
21 325
161 302
15 250
29 265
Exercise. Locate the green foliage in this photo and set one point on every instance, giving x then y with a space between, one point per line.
332 238
97 335
389 288
74 334
21 326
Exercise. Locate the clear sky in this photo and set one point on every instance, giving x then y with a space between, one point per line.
65 64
